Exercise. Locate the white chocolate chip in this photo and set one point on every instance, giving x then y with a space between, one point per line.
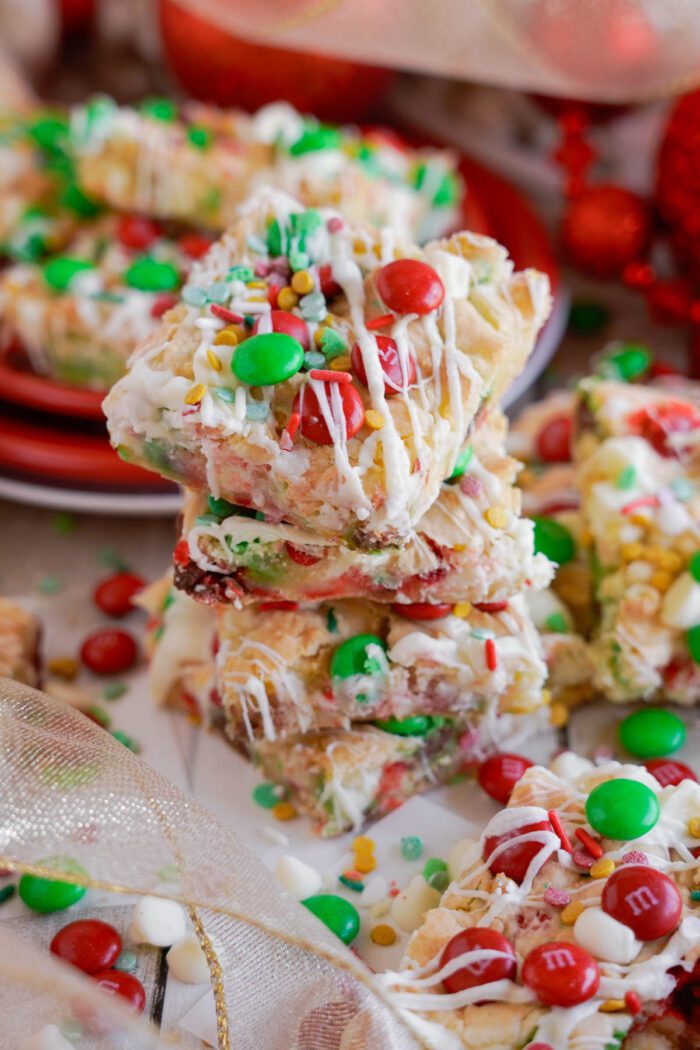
672 519
49 1037
409 907
158 922
462 855
299 879
375 890
545 604
639 572
187 961
605 937
569 765
680 607
380 909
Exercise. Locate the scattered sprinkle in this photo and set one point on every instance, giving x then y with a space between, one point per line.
126 961
64 667
582 859
6 892
373 419
462 610
283 811
589 843
195 394
214 361
571 913
379 322
341 364
496 516
612 1006
256 411
110 557
383 934
224 393
635 856
560 831
490 654
602 868
643 501
412 847
225 315
626 478
633 1002
432 865
64 524
275 835
694 827
268 794
326 375
556 898
352 884
227 337
695 895
126 740
365 863
439 881
302 282
115 690
558 715
287 298
51 585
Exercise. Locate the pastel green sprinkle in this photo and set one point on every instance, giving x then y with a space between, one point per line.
100 716
626 478
71 1029
199 137
218 292
194 296
224 393
482 634
126 740
126 961
110 557
682 488
557 623
433 865
268 794
240 273
256 411
115 690
695 895
50 585
299 260
332 344
352 884
412 847
312 359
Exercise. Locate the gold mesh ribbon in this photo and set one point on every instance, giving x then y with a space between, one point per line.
281 980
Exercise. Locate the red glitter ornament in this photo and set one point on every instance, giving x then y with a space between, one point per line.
605 228
677 193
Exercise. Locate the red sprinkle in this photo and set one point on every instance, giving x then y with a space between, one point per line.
226 315
635 856
581 859
633 1002
325 375
643 501
379 322
490 607
162 303
274 606
394 891
491 656
589 843
556 897
292 425
555 821
181 554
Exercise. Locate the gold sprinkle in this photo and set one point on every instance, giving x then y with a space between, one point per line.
359 247
586 538
558 714
462 610
318 337
256 284
631 551
612 1006
257 299
227 337
602 868
341 364
374 419
213 360
283 811
571 912
670 560
64 667
661 579
639 519
496 516
302 282
363 844
694 827
382 934
195 394
364 863
287 298
459 547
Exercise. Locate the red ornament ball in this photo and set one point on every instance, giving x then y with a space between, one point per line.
214 66
605 228
644 899
561 974
499 774
677 194
479 971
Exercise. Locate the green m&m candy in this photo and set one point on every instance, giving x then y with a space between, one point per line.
47 895
353 658
60 272
694 566
415 725
553 540
463 461
268 358
652 733
336 913
627 361
316 138
622 809
152 275
693 640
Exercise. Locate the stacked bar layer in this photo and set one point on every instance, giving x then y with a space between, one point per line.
527 947
455 554
360 457
639 474
198 167
282 672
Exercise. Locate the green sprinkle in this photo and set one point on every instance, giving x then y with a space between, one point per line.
224 393
51 585
159 109
482 634
268 794
127 961
332 344
207 519
240 273
152 275
433 865
60 272
274 238
682 489
695 895
110 557
439 881
6 892
299 260
315 138
557 623
412 847
126 740
218 292
331 622
99 715
352 884
463 461
626 478
194 296
256 411
115 690
312 359
199 137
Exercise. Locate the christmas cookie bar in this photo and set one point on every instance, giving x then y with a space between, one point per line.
573 922
180 645
283 670
456 554
639 474
79 315
19 643
324 374
199 166
340 780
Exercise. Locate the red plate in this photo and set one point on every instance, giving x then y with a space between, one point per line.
33 391
45 453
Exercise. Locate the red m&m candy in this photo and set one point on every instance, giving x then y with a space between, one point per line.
109 652
553 442
329 286
409 286
561 974
119 982
499 774
313 425
89 944
113 596
288 324
659 422
479 971
390 361
668 772
195 245
644 899
135 231
516 859
162 303
422 610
